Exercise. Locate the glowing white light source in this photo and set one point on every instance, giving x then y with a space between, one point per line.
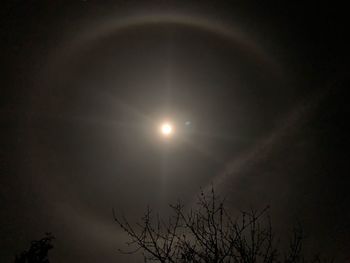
166 129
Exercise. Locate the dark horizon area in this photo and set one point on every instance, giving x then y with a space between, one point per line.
254 93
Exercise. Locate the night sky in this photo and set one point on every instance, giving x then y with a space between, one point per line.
255 91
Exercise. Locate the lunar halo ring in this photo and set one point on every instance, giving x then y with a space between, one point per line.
90 34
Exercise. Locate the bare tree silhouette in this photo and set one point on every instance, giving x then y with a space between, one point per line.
208 233
38 251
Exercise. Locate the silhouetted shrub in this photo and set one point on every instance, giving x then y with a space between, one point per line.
37 252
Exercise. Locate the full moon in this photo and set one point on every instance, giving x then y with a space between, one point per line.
166 129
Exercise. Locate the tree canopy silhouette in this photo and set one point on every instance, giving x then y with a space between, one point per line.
208 233
37 252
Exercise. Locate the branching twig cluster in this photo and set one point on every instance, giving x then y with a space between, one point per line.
209 234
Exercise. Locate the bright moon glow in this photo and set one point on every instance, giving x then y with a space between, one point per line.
166 129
